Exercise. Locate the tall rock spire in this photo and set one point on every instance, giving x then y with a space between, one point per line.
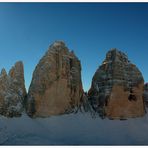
56 86
117 87
12 91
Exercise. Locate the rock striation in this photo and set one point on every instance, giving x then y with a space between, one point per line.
146 94
56 86
117 88
12 90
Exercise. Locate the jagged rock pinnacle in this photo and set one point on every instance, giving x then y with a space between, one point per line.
12 91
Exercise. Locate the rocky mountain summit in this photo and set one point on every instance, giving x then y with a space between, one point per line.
117 88
56 86
12 90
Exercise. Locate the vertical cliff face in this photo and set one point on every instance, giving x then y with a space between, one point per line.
117 87
56 85
12 91
146 94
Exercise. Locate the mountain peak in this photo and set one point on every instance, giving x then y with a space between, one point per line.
3 72
115 55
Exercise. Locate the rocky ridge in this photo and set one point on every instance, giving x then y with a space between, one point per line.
117 89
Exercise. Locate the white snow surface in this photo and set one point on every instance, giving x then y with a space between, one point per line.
73 129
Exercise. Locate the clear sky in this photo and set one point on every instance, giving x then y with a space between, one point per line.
27 29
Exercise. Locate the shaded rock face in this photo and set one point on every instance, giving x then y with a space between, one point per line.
12 91
85 105
146 94
117 88
56 86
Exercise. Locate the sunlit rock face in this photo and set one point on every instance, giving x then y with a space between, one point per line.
12 91
146 94
56 86
117 88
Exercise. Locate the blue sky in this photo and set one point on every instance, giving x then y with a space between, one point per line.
90 29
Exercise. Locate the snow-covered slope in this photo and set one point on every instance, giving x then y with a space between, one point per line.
73 129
